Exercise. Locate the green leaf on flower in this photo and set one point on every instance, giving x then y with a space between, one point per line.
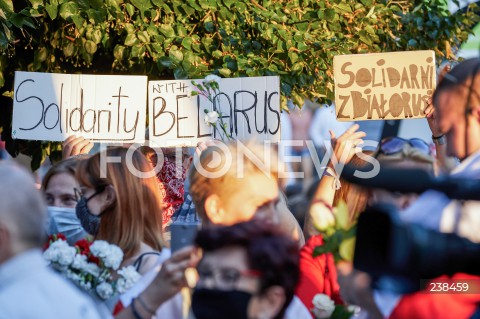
341 215
347 249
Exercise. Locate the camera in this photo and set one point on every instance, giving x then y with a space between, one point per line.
401 256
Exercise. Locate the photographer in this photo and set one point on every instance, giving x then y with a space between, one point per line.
457 115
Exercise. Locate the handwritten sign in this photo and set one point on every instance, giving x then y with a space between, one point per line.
250 107
102 108
393 85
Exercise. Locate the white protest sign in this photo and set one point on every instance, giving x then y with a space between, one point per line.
250 108
101 108
394 85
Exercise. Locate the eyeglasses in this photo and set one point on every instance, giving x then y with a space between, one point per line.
79 193
224 278
393 145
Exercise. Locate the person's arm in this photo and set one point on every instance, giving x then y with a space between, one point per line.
344 147
169 281
445 163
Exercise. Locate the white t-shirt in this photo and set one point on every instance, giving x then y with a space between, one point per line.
29 289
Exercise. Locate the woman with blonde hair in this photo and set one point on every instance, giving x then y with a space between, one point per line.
118 206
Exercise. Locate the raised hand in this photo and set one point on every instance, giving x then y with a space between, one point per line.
171 277
429 111
345 146
73 146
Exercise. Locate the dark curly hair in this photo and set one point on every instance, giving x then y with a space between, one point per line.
273 254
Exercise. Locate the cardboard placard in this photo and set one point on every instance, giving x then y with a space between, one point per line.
394 85
250 107
101 108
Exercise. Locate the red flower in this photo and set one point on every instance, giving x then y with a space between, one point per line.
83 247
94 259
52 238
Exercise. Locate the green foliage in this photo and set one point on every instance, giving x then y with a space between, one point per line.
295 39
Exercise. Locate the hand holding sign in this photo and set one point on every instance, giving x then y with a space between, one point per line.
430 110
74 145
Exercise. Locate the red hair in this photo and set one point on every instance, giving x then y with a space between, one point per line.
136 215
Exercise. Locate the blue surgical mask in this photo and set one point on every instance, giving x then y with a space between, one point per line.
64 220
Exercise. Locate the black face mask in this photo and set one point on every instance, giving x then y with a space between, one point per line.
220 304
89 222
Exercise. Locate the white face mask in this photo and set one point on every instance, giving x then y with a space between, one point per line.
64 220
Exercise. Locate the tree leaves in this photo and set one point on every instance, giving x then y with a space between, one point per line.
6 5
68 9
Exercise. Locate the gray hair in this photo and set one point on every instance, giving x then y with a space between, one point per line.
22 208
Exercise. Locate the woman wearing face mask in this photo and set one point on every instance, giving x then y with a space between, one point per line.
115 204
58 186
248 270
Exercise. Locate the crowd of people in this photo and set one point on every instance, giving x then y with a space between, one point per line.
254 249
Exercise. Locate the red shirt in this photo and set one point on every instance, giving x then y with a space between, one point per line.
426 304
317 274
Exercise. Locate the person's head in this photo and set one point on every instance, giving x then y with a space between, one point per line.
457 106
228 192
116 204
248 270
59 184
22 212
401 153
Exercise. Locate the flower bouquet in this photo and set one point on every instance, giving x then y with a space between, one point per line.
210 89
338 232
91 265
325 308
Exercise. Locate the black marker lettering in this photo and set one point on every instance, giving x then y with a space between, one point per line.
160 113
26 99
274 111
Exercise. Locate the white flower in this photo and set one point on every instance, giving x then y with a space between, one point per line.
111 255
323 306
212 78
104 290
79 262
354 309
322 217
91 268
211 118
60 252
99 248
129 276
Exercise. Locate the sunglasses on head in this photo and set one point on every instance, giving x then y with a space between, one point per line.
393 145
